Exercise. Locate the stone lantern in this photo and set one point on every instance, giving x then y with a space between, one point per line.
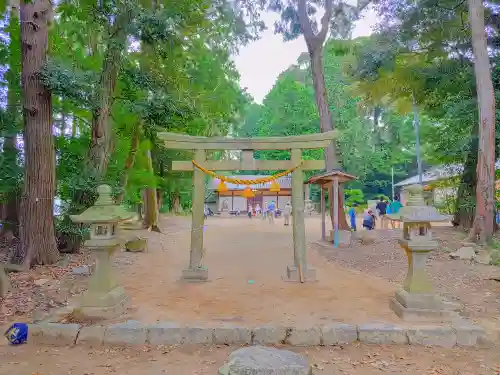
416 300
104 298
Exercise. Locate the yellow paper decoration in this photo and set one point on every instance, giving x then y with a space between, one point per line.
222 187
248 193
275 187
237 181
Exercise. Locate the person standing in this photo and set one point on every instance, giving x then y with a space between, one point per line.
250 211
287 211
264 210
257 210
270 212
352 216
395 206
382 211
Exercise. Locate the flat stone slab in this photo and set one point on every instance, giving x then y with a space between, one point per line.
433 336
260 360
130 333
380 333
57 334
460 332
338 333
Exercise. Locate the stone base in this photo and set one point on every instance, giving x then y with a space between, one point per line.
106 306
292 274
194 275
416 307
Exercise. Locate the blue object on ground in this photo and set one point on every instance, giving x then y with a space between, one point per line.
251 282
17 333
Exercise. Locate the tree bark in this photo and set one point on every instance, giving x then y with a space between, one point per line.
465 202
38 244
100 144
129 163
10 152
483 227
150 200
315 49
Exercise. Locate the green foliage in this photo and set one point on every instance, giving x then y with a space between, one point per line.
354 196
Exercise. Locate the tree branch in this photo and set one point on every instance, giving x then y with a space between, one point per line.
325 21
305 22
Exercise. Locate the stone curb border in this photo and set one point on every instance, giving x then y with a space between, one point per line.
134 333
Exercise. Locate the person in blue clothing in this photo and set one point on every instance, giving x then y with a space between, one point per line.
271 208
369 220
352 216
395 206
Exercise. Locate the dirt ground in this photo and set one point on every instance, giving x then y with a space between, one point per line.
246 259
347 360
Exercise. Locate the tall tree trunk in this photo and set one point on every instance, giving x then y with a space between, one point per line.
9 166
101 137
377 137
74 126
483 227
465 202
326 124
129 163
103 97
38 244
150 200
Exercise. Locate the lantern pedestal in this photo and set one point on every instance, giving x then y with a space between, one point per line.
104 299
416 301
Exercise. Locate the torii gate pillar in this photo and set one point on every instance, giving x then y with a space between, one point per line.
299 271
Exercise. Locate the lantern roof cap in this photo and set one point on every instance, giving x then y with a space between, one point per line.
104 210
416 210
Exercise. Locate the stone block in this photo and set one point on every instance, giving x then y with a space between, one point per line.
464 253
303 337
167 333
194 275
4 282
442 336
128 333
380 333
419 300
409 314
268 335
53 333
468 334
292 274
338 333
100 306
229 335
259 360
91 336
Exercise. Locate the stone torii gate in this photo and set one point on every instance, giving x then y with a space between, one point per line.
300 271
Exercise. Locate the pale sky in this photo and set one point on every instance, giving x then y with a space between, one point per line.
260 62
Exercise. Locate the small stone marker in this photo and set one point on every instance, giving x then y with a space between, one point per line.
261 360
137 245
4 281
464 253
82 270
